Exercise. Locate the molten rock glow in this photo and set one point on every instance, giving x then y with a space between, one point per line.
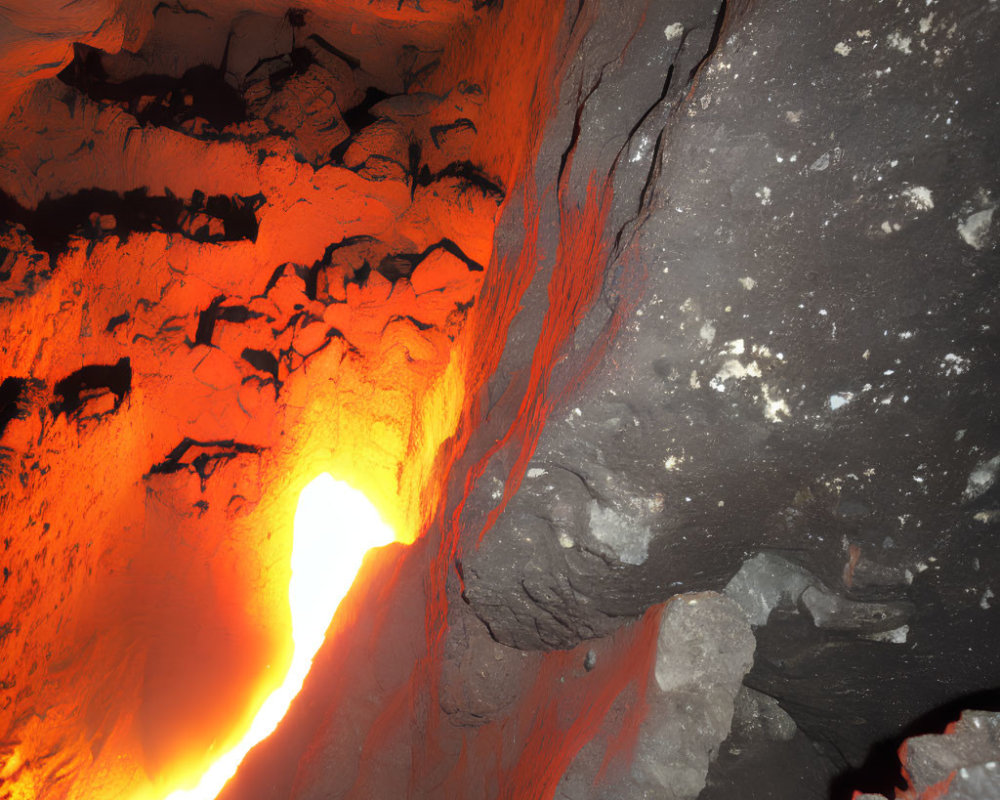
335 526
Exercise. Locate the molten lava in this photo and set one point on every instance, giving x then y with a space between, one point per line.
335 526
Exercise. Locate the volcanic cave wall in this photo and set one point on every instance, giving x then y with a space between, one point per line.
809 375
219 280
667 330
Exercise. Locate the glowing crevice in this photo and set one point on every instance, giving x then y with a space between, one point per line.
335 526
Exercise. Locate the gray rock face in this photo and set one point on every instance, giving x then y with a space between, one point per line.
768 580
971 752
756 714
577 517
804 370
961 764
479 677
794 375
705 647
704 650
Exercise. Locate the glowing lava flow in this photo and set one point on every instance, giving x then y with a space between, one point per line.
335 526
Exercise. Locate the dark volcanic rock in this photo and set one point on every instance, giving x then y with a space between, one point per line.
808 363
807 368
766 756
615 103
705 647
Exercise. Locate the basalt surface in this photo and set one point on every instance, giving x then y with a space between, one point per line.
807 369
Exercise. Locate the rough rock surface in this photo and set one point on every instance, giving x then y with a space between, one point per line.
963 763
806 370
793 376
704 649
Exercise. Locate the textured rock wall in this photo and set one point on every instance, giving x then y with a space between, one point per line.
749 298
807 368
704 648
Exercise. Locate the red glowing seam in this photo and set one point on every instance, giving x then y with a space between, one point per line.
501 293
854 555
938 790
573 287
532 763
557 719
510 284
622 747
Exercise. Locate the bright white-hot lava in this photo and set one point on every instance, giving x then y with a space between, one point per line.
335 525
